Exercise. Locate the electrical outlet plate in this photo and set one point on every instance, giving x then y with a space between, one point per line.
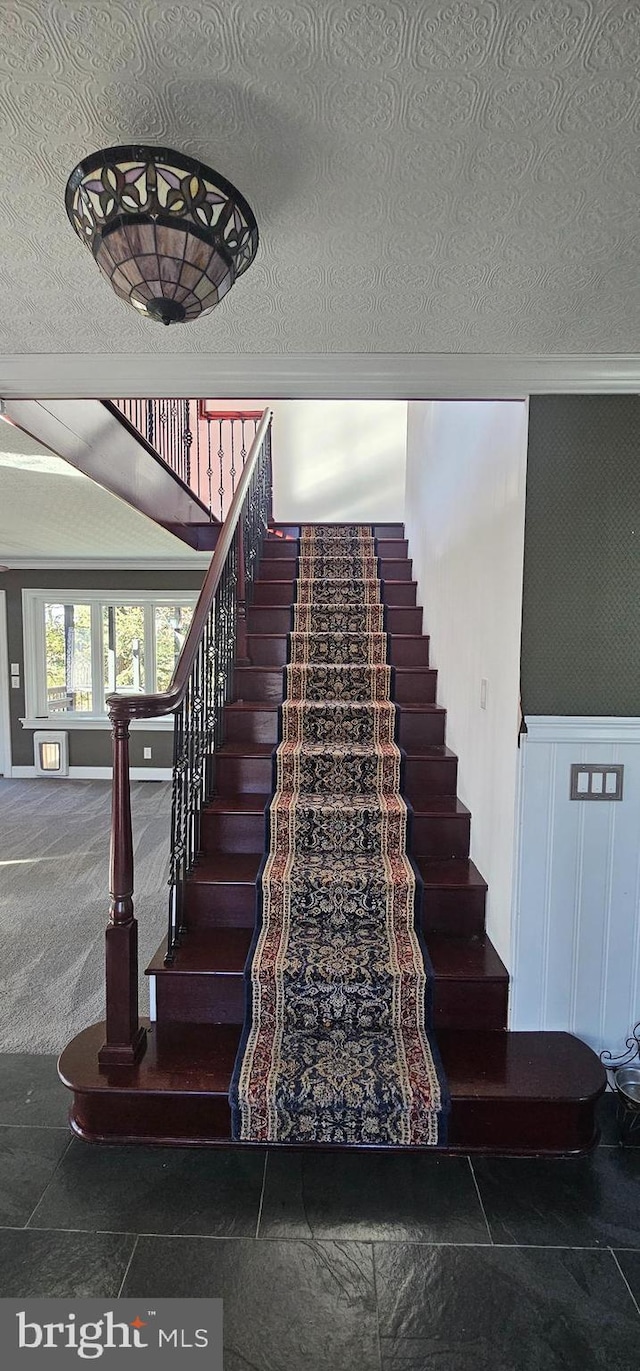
596 781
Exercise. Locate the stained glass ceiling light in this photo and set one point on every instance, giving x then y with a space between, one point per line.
170 235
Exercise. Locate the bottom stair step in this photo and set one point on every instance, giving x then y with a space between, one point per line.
510 1092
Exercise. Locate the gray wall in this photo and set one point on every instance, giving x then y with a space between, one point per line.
581 603
87 747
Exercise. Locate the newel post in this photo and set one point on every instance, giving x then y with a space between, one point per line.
242 658
126 1039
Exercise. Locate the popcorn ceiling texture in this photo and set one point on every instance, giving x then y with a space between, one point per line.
426 177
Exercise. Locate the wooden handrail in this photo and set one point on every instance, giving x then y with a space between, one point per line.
215 414
153 706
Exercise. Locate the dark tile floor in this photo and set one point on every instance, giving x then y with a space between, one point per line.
328 1262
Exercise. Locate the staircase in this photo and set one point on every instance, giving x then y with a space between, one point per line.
519 1092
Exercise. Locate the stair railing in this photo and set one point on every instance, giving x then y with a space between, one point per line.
168 428
200 687
229 434
205 448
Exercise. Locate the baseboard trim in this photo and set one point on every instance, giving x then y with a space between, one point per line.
93 773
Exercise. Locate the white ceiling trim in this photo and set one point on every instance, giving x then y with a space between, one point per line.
357 376
199 560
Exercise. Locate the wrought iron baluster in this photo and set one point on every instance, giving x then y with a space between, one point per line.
209 473
233 457
200 695
221 460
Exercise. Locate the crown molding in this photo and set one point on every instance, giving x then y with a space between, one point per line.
322 376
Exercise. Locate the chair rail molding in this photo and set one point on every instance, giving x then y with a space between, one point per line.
576 930
353 376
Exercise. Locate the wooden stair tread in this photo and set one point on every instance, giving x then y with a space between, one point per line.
273 669
218 951
429 752
520 1066
454 872
254 802
274 705
470 959
288 581
225 950
281 637
199 1058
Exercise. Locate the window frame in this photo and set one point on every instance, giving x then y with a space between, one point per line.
34 600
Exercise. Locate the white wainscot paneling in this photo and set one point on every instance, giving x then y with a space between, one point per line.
576 936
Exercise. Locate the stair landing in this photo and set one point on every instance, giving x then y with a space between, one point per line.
510 1092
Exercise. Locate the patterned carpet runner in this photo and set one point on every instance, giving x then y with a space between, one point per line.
336 1046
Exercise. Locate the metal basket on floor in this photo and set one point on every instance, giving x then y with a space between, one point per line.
623 1074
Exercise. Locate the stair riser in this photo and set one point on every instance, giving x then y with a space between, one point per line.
281 593
494 1125
410 686
278 548
465 1004
219 905
285 569
272 651
434 836
205 997
397 549
423 777
278 619
415 729
458 913
200 998
223 905
244 775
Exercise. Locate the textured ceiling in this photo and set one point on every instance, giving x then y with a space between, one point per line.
426 177
49 509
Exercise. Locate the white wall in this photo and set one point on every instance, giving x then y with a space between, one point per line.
576 954
465 497
336 460
339 460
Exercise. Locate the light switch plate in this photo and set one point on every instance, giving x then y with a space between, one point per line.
597 781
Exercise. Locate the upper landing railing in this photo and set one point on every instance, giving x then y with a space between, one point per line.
204 447
201 686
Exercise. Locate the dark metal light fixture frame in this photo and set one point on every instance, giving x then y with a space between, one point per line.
170 234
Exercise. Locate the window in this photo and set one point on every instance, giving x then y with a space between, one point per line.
81 647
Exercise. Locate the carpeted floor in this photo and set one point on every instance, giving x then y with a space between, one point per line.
54 901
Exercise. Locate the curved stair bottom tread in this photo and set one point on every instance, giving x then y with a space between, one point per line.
519 1093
